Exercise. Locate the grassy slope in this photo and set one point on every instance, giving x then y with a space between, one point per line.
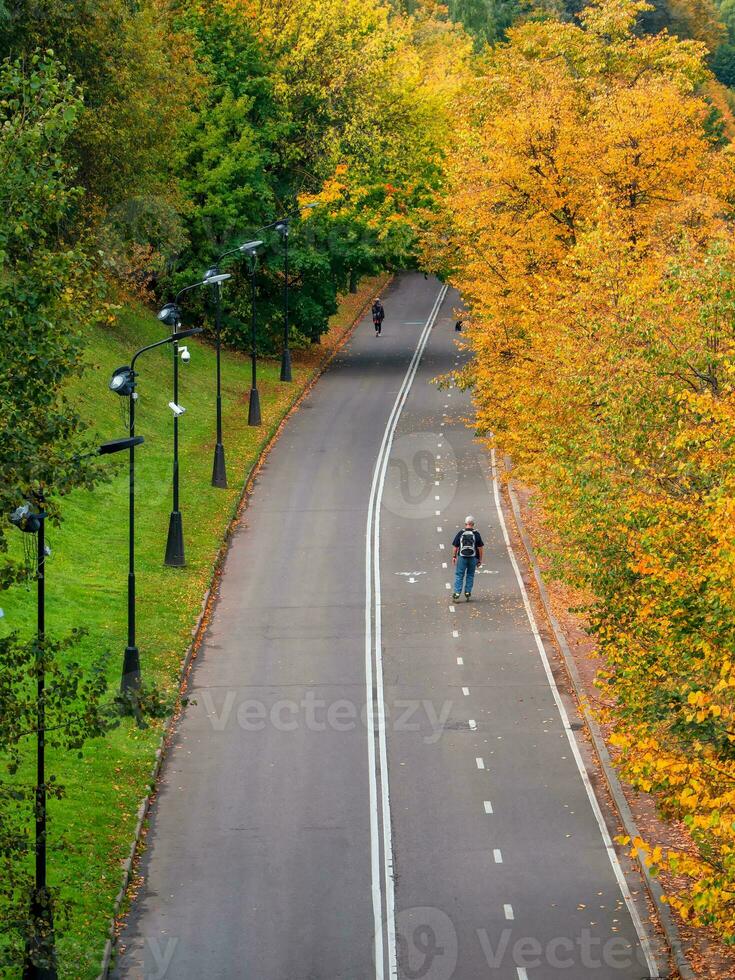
87 577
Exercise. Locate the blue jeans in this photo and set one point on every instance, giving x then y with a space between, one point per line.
465 566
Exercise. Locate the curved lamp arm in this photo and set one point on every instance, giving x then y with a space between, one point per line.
166 340
274 224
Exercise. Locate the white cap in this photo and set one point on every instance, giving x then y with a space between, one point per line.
469 519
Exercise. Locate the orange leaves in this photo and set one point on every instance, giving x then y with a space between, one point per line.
586 221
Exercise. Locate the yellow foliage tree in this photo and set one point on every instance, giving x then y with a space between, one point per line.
586 222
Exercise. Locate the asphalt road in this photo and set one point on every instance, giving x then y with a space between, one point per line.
373 782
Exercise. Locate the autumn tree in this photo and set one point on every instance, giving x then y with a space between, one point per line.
587 226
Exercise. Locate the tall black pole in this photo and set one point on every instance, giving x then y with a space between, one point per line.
175 541
254 409
40 953
131 662
219 471
286 359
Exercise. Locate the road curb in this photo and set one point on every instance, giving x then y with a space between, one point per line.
199 628
655 891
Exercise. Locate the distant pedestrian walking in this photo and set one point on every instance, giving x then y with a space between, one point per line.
378 316
468 546
458 326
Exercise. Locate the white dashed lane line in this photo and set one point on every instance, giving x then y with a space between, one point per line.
479 761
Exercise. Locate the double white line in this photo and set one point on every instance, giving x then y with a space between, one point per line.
381 841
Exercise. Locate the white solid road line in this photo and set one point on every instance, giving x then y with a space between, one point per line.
380 820
612 855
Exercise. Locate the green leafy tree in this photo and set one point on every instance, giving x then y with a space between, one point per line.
136 84
47 285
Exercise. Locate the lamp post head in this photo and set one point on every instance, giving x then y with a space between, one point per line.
170 315
122 381
25 519
282 228
213 276
250 248
118 445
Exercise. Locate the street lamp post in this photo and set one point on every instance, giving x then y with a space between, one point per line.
40 959
214 278
283 229
219 470
171 315
123 383
250 249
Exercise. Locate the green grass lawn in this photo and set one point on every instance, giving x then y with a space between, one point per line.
87 581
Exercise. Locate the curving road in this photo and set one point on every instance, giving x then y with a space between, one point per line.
371 782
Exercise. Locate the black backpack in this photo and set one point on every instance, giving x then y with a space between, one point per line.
468 544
